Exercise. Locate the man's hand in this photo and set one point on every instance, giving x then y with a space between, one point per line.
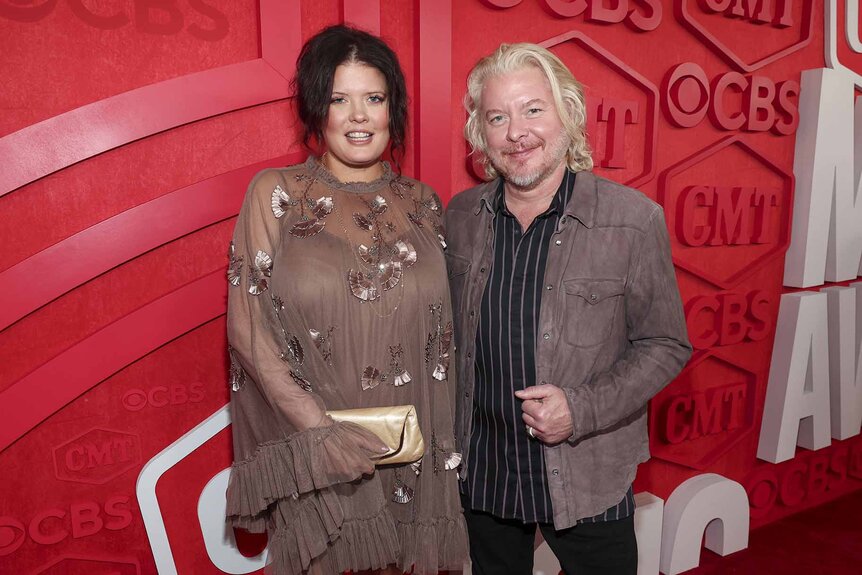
546 410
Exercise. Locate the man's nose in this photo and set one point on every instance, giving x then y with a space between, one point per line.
517 129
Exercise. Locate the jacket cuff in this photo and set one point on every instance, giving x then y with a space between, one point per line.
583 419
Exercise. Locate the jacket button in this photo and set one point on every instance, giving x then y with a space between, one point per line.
546 336
559 242
555 471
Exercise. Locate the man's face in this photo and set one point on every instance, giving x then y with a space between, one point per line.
525 136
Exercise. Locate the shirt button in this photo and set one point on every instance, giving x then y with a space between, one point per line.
472 313
469 354
559 242
593 297
466 394
546 336
549 287
482 270
555 471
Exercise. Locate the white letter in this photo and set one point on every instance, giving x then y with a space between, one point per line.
648 519
845 359
797 394
826 234
710 502
218 537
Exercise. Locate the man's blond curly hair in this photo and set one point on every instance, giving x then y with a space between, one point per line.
567 92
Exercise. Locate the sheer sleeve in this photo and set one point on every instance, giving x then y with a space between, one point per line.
253 325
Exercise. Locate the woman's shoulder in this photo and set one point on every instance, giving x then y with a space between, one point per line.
421 190
273 181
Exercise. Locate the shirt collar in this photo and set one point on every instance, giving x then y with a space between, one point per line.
581 206
496 203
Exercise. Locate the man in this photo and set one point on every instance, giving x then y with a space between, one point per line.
568 320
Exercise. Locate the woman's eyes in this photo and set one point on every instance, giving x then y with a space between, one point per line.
374 99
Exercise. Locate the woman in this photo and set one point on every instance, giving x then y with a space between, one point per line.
339 299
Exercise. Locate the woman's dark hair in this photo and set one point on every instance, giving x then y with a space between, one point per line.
315 70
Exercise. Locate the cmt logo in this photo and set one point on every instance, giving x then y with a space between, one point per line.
695 415
615 114
778 13
79 520
722 227
706 411
97 456
157 17
724 215
726 26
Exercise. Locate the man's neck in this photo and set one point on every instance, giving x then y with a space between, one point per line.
527 203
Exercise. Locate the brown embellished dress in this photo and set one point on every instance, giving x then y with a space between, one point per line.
339 299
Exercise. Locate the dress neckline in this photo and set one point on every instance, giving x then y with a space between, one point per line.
320 172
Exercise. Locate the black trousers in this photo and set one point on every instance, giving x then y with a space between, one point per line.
505 546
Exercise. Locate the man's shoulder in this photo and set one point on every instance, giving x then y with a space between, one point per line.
468 200
620 205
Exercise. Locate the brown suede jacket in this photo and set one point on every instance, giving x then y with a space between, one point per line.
611 331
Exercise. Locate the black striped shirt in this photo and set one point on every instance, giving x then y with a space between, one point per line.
506 469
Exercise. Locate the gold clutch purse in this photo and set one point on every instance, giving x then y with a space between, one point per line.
397 426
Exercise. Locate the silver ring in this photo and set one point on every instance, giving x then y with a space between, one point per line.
531 432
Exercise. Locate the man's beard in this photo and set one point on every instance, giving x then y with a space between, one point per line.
555 154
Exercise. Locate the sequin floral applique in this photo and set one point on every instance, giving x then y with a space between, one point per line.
311 212
397 374
234 266
438 343
292 352
384 261
323 342
236 375
259 271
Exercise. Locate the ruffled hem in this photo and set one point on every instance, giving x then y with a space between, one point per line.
436 545
316 532
306 461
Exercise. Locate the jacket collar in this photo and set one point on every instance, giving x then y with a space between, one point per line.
581 205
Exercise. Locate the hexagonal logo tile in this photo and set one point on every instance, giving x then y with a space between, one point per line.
97 456
703 413
622 108
727 27
728 211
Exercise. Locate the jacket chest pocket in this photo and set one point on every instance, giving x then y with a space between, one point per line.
592 307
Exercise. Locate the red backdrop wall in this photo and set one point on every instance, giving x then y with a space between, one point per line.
131 127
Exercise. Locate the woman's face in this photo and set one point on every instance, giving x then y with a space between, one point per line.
357 126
